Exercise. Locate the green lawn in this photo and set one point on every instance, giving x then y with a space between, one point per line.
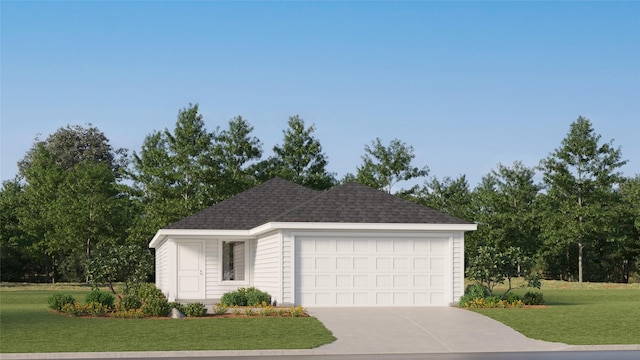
579 314
27 325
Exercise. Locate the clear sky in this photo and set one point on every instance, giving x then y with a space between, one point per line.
467 84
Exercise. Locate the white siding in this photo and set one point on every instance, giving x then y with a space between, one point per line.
288 268
458 266
162 268
212 278
267 267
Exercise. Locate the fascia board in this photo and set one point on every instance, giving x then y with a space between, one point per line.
360 226
164 233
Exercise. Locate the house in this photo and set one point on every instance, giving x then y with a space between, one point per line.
348 246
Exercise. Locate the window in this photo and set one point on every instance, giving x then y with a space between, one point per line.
233 260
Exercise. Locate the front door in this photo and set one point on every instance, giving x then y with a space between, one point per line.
191 270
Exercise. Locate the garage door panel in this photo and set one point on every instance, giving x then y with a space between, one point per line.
371 272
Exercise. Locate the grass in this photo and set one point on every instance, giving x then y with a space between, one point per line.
578 314
27 325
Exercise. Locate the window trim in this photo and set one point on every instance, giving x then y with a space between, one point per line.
221 261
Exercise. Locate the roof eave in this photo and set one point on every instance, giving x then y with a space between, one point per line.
271 226
162 234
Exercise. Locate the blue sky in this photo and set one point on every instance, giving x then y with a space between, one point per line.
467 84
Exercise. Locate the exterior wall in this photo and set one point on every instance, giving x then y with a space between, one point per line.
288 268
458 266
162 268
212 276
267 265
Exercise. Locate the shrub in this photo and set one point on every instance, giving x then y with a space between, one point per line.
195 310
130 302
156 307
234 298
476 291
533 298
74 309
128 314
511 298
100 297
297 311
96 309
58 301
149 292
176 305
245 297
256 297
220 309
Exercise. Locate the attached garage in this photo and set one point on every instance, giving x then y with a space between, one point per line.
349 246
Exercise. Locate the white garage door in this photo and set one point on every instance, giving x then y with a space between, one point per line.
372 271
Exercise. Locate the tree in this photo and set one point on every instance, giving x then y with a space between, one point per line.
235 150
504 208
492 266
383 167
579 179
174 175
451 196
300 158
120 263
71 200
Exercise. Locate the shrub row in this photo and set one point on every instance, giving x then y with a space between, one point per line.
477 296
245 297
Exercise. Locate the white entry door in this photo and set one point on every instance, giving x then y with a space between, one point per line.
360 271
191 270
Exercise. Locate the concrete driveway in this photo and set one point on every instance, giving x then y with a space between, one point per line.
420 330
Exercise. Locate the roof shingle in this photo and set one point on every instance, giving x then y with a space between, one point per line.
279 200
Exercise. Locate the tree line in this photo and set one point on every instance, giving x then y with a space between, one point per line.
76 196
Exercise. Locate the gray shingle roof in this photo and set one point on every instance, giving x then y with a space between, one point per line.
250 208
279 200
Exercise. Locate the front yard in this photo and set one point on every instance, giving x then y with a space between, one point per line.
28 325
578 314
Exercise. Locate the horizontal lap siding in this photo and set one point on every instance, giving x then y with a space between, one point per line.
267 266
162 268
287 269
458 266
212 279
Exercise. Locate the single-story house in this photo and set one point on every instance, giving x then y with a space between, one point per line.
351 245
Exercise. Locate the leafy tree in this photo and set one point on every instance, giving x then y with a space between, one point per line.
174 175
18 260
70 197
383 167
451 196
120 263
491 266
299 159
237 151
579 179
504 208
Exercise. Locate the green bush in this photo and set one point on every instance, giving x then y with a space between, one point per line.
256 297
96 309
130 302
156 307
511 298
176 305
100 297
58 301
533 298
149 292
245 297
234 298
477 291
195 310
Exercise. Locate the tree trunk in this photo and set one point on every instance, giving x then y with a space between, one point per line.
580 246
